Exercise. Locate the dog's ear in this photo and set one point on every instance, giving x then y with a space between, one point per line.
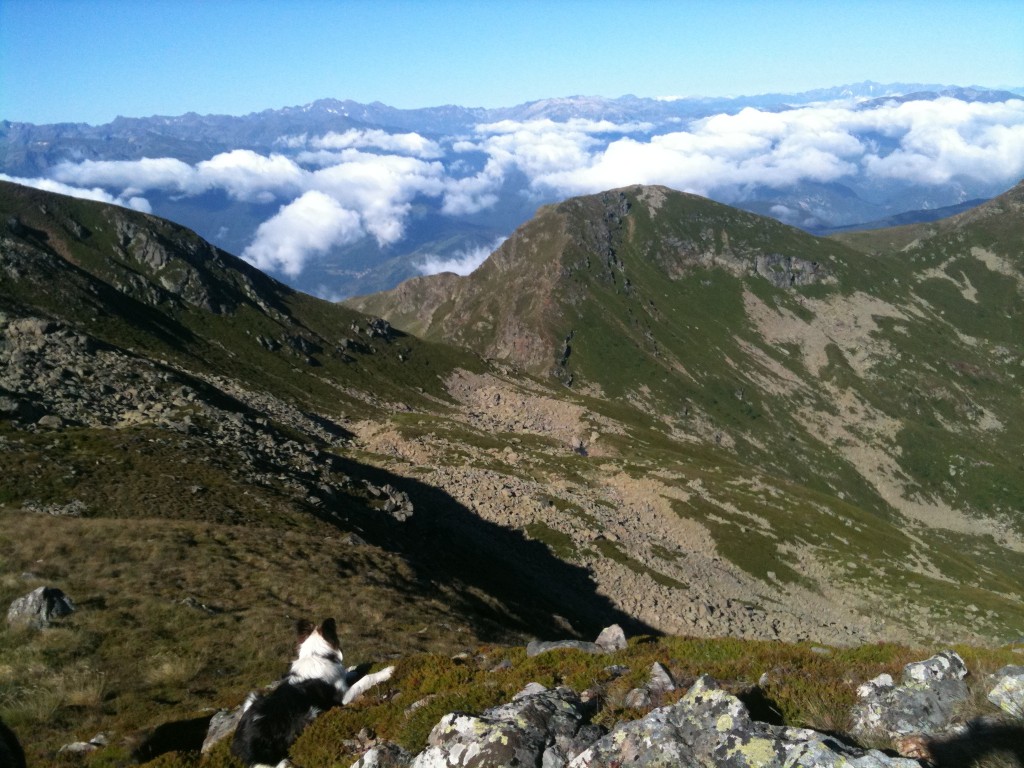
303 629
329 631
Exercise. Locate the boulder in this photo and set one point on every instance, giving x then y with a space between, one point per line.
612 638
39 608
924 702
537 729
1008 691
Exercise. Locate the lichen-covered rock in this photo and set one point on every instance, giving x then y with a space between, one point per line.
39 608
825 752
924 702
539 729
1008 691
711 727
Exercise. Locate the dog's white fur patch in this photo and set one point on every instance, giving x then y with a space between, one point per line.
318 660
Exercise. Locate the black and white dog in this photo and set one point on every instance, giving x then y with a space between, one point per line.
316 681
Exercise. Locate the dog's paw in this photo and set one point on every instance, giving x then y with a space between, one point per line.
386 673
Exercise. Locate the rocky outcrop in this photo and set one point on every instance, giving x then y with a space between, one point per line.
550 729
924 702
39 608
80 748
543 728
537 647
709 726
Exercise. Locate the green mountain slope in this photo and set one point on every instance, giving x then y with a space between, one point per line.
858 405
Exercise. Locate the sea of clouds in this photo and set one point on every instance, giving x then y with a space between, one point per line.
337 188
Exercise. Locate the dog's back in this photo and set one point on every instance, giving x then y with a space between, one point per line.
11 753
274 721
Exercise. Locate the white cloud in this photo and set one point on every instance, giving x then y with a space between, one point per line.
377 189
129 175
946 138
380 187
462 263
411 144
95 193
250 176
724 154
537 148
303 228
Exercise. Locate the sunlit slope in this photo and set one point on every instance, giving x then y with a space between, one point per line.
859 406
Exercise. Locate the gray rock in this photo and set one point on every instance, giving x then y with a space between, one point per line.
542 729
924 702
15 227
660 683
612 638
12 408
74 508
384 755
50 421
39 608
1008 691
531 689
710 727
536 647
222 725
942 666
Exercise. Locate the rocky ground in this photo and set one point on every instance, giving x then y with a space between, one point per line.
673 579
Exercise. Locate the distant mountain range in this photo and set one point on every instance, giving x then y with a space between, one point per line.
410 191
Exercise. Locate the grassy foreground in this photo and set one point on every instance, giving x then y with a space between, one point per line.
174 663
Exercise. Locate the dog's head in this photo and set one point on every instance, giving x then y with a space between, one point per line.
319 642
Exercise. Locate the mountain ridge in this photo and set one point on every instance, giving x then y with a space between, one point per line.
736 350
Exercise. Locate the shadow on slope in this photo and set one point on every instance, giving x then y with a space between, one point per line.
510 583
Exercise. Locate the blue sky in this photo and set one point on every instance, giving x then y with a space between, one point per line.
78 61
